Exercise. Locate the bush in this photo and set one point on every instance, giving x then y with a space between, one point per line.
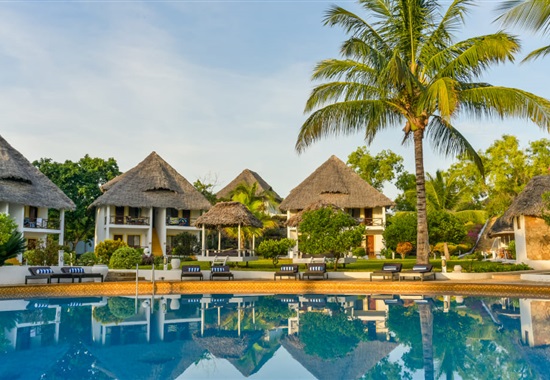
125 258
149 260
69 258
400 228
496 267
121 307
185 244
359 252
105 250
44 254
272 249
512 249
404 248
387 253
87 259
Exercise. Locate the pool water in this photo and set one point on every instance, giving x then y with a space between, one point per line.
275 337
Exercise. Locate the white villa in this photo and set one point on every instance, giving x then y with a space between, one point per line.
27 196
335 183
147 206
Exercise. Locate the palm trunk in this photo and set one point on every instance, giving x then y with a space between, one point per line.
422 242
426 328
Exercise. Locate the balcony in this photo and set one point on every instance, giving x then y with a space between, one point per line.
40 223
371 222
130 220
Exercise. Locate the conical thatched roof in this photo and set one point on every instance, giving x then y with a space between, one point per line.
152 183
334 182
296 219
529 202
248 177
501 227
227 344
228 214
352 366
22 183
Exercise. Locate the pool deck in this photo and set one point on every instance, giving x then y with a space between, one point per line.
511 285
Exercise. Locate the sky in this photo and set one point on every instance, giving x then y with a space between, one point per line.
214 87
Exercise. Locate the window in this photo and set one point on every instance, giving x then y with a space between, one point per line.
134 212
31 243
133 241
172 212
118 237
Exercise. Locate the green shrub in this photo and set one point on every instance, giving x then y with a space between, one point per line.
105 250
125 258
387 253
272 249
359 252
43 254
512 249
495 267
185 244
87 259
69 258
121 307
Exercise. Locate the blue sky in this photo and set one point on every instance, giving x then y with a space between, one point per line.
213 87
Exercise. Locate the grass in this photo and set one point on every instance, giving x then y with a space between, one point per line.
361 265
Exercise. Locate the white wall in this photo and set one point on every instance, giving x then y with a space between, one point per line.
521 244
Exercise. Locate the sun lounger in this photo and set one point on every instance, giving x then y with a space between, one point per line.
191 271
221 271
388 270
287 270
421 271
46 273
79 273
316 270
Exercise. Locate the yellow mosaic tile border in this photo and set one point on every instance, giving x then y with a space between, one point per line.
276 287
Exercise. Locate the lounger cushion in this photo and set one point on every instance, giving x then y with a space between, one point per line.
219 269
44 271
76 270
193 269
420 267
389 267
316 268
287 267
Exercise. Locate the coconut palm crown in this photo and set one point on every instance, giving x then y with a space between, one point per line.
402 68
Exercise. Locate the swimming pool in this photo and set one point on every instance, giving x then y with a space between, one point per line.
233 336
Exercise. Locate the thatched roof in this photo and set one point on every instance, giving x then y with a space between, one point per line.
296 219
334 182
22 183
529 202
501 227
228 214
227 344
352 366
248 177
152 183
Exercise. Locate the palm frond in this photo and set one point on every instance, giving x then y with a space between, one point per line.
448 141
530 14
483 101
335 69
440 95
538 53
346 118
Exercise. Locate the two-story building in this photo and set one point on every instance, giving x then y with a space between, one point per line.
337 184
29 197
147 206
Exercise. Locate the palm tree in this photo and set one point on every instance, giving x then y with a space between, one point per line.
529 14
402 68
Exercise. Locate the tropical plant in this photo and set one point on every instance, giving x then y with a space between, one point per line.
404 248
384 167
185 244
12 247
87 259
402 68
45 253
529 14
125 258
7 226
329 231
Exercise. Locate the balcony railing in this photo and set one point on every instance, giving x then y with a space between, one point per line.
50 224
175 221
378 222
130 220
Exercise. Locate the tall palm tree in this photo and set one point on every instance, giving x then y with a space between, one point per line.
529 14
402 68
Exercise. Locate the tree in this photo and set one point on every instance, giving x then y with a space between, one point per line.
12 247
272 249
81 182
376 170
7 226
529 14
185 244
206 190
403 69
329 231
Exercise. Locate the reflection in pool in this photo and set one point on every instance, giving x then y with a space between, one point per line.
281 336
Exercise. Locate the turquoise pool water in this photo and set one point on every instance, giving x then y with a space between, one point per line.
275 337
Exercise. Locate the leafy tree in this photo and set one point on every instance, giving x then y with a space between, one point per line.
7 226
329 231
125 258
206 190
529 14
272 249
81 182
386 166
105 249
330 336
400 228
45 253
402 68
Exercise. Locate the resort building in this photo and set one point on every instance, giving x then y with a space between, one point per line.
337 184
30 198
147 206
531 233
249 178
